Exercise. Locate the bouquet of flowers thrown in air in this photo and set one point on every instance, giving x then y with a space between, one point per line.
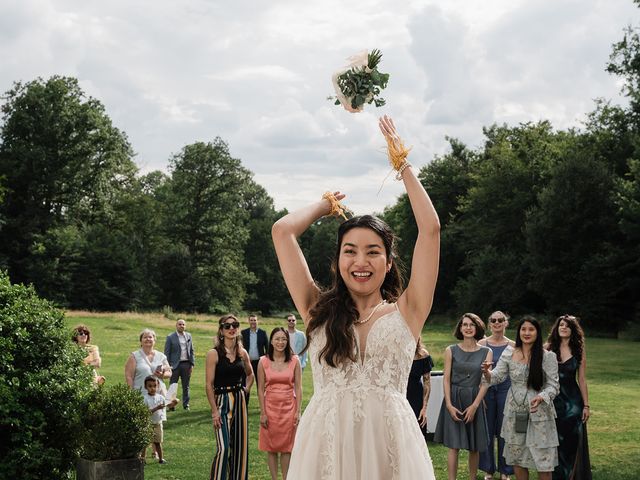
360 82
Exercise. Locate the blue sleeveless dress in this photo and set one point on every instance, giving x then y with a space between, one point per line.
494 400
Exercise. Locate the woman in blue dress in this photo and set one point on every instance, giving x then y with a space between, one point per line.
419 385
566 340
495 399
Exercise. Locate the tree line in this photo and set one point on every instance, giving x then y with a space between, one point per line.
535 220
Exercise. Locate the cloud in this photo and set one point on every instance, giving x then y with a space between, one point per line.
257 74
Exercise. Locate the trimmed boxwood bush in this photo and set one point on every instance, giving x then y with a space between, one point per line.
43 387
118 424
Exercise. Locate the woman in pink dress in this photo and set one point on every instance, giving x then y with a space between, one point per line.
280 397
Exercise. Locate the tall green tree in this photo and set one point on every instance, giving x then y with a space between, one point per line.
268 293
512 168
625 63
62 163
208 189
628 203
573 241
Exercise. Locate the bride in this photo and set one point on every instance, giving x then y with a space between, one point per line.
362 333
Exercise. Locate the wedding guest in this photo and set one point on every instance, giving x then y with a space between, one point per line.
82 336
156 403
298 340
178 348
255 341
566 340
225 366
419 384
280 397
462 423
528 427
146 361
495 399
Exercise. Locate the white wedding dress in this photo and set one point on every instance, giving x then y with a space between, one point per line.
358 424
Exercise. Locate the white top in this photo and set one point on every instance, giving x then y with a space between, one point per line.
144 367
184 353
159 415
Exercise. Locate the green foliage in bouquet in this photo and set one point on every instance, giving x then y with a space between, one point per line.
363 84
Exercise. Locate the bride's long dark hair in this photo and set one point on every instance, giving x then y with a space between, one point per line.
335 310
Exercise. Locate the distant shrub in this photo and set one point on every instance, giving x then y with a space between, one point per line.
117 424
43 387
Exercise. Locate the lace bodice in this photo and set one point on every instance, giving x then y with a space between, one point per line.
390 347
359 424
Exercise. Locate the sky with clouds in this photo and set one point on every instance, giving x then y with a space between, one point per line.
257 74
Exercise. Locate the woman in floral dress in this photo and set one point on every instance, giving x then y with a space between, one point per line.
530 443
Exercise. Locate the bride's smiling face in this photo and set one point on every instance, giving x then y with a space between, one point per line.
363 262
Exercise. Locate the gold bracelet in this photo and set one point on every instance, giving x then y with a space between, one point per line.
337 208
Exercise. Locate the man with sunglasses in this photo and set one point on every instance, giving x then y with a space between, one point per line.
495 400
255 341
298 340
178 348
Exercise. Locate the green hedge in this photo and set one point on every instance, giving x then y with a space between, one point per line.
118 424
44 387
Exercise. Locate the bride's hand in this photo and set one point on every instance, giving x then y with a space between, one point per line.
388 128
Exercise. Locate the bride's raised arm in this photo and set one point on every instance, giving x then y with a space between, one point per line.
285 233
416 301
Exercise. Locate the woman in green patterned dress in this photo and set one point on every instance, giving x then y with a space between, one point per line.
566 340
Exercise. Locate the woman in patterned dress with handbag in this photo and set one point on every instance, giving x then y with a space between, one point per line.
528 427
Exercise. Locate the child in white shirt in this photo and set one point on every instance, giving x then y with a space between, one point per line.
156 403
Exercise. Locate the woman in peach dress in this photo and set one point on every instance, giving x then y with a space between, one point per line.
280 397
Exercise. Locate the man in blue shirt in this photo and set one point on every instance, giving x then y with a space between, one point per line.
298 340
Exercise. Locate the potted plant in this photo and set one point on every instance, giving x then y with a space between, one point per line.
117 429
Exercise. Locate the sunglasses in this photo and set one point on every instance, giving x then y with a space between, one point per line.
496 320
229 326
81 333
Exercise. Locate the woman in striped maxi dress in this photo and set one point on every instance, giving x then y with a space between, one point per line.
226 364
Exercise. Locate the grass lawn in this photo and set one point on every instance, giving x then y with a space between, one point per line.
613 375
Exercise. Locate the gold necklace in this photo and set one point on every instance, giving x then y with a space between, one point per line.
374 310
